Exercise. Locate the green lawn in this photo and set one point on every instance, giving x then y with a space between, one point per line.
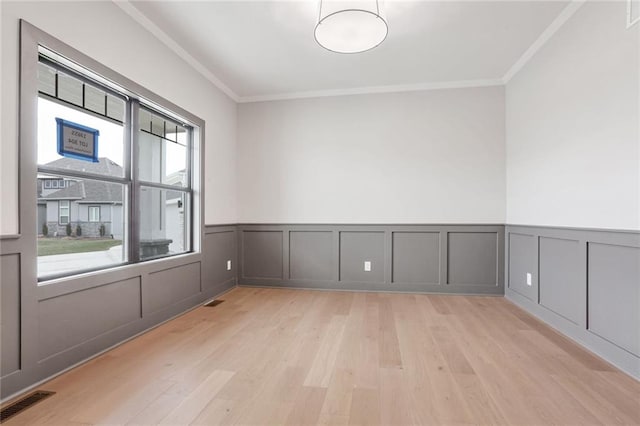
49 246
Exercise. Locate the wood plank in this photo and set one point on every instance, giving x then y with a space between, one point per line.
189 409
307 406
365 358
365 407
388 345
324 362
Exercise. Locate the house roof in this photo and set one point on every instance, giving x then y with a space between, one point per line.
88 191
73 192
101 192
104 166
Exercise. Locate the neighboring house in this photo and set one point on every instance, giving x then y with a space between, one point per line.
175 212
87 203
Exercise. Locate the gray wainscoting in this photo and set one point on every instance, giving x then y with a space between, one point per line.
86 314
10 305
220 247
586 284
465 259
49 328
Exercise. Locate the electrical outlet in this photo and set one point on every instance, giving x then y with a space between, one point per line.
529 279
228 265
367 266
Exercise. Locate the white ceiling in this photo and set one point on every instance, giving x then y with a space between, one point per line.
266 49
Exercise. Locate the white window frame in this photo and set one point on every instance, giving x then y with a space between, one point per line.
64 205
89 216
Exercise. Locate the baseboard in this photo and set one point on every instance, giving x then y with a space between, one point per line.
302 288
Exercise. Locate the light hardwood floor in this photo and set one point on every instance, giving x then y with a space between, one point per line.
271 356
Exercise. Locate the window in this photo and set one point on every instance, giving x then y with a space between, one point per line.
163 170
47 184
94 213
63 212
136 202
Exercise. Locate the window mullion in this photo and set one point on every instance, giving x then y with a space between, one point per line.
189 175
66 173
133 126
79 108
164 186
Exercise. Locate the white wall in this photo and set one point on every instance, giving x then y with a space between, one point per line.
104 32
420 157
573 130
572 133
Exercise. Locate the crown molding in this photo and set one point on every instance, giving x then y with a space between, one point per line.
373 89
631 20
147 24
546 35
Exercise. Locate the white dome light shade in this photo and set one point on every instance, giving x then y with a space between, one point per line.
351 31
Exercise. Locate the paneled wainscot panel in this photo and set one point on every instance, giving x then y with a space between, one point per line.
169 286
10 298
416 257
262 254
473 258
357 248
219 248
561 286
70 319
614 294
523 260
311 255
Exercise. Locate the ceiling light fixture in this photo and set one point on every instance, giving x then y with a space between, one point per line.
349 27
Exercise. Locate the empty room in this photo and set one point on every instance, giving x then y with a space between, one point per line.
336 212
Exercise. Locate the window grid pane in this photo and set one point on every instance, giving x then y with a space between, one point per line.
70 89
164 222
63 86
70 241
95 99
46 79
163 147
111 141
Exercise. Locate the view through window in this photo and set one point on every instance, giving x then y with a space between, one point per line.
85 220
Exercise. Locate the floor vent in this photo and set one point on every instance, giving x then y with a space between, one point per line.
213 303
24 403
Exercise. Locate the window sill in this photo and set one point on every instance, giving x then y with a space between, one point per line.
56 287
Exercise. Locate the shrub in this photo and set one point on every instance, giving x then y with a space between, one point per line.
103 230
45 230
78 231
68 229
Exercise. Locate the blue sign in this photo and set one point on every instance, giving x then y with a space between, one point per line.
77 141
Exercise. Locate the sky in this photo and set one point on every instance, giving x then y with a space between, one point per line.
110 141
